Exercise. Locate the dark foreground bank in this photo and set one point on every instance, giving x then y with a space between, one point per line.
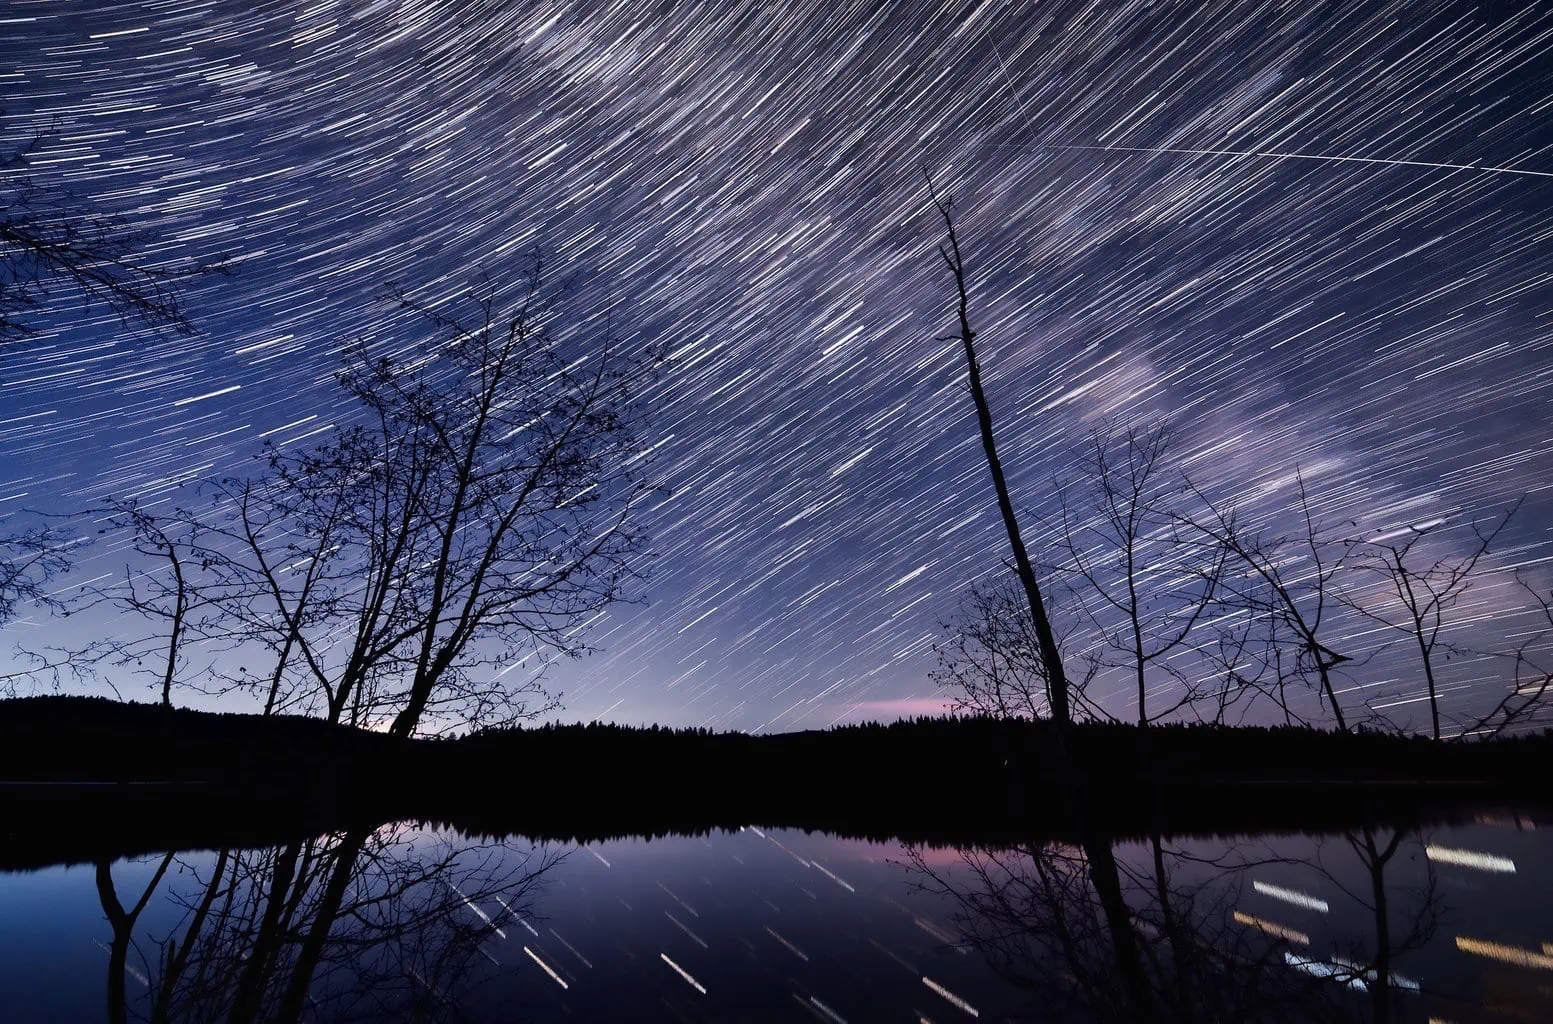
76 773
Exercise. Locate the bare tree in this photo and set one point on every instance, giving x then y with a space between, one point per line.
164 586
1251 656
1531 686
275 555
1423 593
483 512
1143 587
54 244
404 567
30 560
1046 639
1290 585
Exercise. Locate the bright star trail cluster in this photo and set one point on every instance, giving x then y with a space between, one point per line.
744 183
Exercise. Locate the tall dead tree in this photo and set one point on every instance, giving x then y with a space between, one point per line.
1046 639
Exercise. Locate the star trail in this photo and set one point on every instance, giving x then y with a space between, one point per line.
1314 235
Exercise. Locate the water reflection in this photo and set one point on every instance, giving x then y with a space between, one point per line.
1163 933
404 922
369 924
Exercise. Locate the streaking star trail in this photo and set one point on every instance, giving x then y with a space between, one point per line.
1312 236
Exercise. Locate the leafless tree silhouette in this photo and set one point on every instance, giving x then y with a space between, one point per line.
489 508
1423 594
1531 688
281 581
1054 674
32 561
164 586
990 659
1289 585
405 568
1141 585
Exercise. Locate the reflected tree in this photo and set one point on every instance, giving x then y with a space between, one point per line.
1404 917
371 924
1181 951
122 922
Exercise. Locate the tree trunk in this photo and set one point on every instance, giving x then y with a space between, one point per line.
1124 941
410 716
250 990
1382 983
1175 932
318 934
178 959
1056 678
1434 702
1326 685
123 923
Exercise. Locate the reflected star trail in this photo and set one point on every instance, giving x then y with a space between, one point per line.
1146 234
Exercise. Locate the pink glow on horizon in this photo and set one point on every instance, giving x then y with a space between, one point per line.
905 707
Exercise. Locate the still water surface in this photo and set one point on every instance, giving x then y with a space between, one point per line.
410 923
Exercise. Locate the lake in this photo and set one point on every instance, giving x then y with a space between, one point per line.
406 922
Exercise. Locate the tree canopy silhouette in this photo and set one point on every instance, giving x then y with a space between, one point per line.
409 565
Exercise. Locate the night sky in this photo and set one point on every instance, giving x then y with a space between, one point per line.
1344 263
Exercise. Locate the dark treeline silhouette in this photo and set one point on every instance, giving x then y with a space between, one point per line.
149 775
